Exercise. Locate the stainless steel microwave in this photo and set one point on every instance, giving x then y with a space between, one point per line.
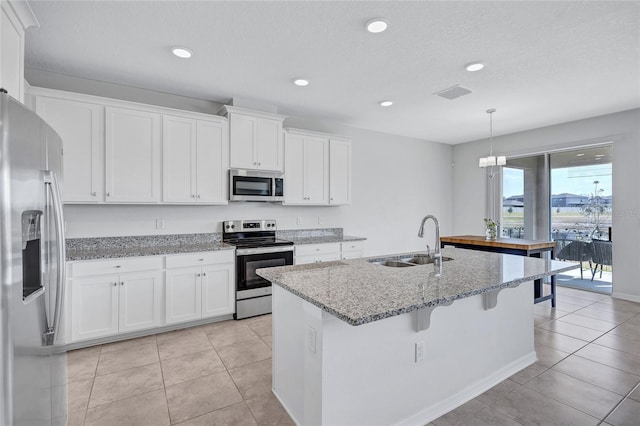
254 185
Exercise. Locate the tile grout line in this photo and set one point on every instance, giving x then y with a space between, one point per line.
627 396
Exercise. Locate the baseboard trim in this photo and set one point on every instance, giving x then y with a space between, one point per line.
285 407
435 411
626 296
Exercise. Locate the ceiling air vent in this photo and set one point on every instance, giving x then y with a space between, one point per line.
453 92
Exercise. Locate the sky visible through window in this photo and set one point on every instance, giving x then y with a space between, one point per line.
576 180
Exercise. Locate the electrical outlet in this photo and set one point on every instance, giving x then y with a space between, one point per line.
299 220
311 339
159 224
420 351
320 220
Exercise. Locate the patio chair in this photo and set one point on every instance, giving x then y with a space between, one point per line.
574 250
602 254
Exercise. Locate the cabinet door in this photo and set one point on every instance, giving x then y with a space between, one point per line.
242 136
132 140
94 307
178 160
79 125
294 170
316 170
269 145
212 162
218 290
183 295
11 53
339 172
140 300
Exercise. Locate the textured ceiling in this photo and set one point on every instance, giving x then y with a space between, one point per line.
546 62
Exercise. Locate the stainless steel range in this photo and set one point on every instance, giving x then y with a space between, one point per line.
256 247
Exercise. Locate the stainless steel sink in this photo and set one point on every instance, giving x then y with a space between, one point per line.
394 263
423 259
418 259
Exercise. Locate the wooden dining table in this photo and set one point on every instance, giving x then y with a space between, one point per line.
517 246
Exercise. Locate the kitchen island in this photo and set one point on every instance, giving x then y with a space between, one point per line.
359 343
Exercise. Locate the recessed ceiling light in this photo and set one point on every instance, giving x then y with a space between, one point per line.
182 52
599 155
301 82
377 25
580 155
386 103
474 66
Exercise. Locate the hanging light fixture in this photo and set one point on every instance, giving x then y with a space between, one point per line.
491 160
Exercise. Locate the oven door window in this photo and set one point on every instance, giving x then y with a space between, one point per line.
246 185
247 265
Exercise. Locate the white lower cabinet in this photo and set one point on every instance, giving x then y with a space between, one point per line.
199 286
114 296
111 304
327 252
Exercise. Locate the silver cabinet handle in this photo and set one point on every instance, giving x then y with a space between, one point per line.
193 195
204 274
200 260
197 275
331 198
93 194
198 195
122 283
115 284
259 164
108 194
117 266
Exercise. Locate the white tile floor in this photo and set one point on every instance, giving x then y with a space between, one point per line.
588 372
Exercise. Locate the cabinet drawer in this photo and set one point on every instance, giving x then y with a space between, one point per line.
316 258
115 266
352 246
199 259
312 249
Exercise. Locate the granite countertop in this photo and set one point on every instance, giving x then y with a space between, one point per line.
358 291
325 239
147 245
317 236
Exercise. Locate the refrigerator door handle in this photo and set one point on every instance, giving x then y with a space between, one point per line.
51 179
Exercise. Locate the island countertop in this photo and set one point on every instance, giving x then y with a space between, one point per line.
359 291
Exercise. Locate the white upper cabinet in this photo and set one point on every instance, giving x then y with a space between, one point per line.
132 160
16 16
195 161
212 161
306 169
317 168
255 139
339 171
79 124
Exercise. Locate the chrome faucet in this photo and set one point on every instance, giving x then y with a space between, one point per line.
436 254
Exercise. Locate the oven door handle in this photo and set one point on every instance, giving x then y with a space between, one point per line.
263 250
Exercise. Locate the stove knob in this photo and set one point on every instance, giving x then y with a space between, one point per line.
233 226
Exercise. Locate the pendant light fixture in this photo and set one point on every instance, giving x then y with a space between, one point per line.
492 160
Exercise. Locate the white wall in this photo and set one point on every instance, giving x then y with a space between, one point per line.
622 128
396 181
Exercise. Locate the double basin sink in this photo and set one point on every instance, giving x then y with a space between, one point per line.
415 260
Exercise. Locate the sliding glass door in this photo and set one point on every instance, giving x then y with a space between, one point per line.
567 197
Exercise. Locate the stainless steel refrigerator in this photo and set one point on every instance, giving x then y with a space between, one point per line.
33 387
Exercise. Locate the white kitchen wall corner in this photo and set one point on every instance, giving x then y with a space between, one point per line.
256 139
16 17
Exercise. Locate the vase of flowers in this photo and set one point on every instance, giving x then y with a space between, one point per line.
490 228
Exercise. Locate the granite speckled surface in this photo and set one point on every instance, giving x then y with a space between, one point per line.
145 245
358 291
316 236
